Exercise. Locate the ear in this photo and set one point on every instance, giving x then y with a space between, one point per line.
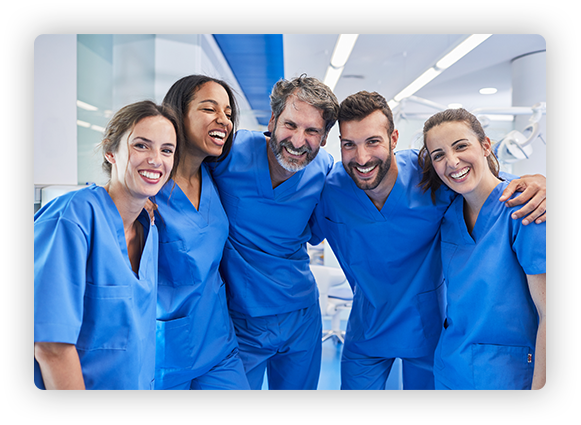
271 123
486 145
110 157
394 138
324 140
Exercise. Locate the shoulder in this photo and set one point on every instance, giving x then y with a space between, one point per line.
246 137
76 205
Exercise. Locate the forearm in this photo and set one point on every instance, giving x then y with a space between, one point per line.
60 366
539 376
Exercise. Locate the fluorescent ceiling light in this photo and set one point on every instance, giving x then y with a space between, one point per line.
86 106
488 90
500 117
461 50
97 128
419 82
83 124
343 49
332 77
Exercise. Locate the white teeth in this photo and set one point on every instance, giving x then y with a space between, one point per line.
293 152
153 176
460 174
366 170
218 134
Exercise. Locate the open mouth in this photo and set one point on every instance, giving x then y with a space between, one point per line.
153 176
294 152
459 175
365 170
218 136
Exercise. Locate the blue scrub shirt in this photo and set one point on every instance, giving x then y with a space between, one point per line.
195 332
390 257
266 263
86 294
492 322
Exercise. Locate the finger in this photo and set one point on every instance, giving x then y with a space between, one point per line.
529 207
538 215
509 191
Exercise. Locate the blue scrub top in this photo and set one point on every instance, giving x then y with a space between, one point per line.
86 294
390 257
492 322
266 264
194 329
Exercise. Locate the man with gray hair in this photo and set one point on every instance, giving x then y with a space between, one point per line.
270 184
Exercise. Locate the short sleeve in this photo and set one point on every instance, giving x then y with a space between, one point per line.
60 258
529 244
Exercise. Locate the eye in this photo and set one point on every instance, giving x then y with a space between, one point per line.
346 145
167 151
436 157
140 145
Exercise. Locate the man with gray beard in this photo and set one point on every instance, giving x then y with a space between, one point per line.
269 185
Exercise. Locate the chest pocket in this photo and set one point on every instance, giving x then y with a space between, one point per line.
174 264
106 318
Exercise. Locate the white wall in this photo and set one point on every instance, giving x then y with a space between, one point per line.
55 109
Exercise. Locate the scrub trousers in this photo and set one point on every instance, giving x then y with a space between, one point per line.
370 373
288 346
227 375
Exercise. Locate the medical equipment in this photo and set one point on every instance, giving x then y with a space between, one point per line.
516 145
335 296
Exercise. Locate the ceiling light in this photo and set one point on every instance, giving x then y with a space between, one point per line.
97 128
86 106
454 105
343 49
420 82
83 124
332 77
461 50
488 90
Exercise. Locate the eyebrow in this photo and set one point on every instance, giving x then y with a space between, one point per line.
212 101
440 149
145 139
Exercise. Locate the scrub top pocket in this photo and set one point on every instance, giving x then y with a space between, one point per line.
176 264
502 367
106 318
177 355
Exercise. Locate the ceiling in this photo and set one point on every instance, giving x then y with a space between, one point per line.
388 63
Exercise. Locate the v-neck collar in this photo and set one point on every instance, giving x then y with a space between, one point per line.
390 205
484 216
117 221
182 203
262 175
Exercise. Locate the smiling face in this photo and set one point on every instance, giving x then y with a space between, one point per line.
367 151
144 159
460 159
297 134
207 123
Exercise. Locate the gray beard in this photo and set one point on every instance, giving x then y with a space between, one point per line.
290 165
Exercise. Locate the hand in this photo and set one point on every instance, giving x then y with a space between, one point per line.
534 191
150 207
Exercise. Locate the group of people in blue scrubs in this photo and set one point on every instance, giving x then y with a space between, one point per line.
230 292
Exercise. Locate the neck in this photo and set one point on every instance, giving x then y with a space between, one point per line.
380 194
189 167
128 206
474 200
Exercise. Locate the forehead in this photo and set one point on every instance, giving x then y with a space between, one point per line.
449 132
373 125
301 112
212 91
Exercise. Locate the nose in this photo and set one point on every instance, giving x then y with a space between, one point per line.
453 160
361 156
155 158
223 119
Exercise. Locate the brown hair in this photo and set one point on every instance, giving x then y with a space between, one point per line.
309 90
362 104
127 118
431 180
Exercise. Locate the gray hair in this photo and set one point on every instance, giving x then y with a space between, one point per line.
309 90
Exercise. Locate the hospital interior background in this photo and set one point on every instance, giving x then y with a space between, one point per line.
81 80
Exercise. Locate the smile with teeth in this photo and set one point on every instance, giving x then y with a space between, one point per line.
294 152
460 174
218 134
366 170
152 175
